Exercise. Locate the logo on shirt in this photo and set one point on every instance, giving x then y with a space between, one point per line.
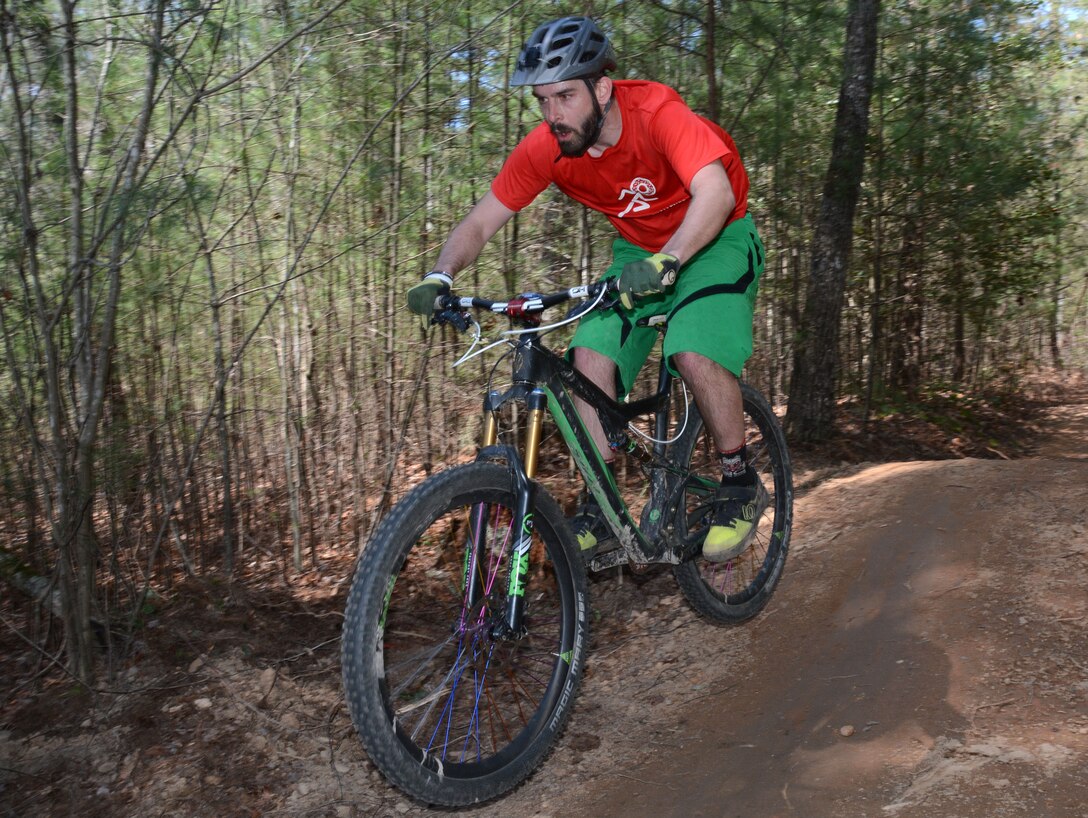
641 192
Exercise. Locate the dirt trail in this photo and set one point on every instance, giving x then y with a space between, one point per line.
949 648
926 655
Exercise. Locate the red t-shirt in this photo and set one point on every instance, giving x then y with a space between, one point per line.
641 183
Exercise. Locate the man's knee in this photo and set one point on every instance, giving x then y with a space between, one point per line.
694 367
597 367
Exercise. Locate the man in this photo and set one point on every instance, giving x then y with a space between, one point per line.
674 187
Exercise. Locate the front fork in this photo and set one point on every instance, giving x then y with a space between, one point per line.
512 625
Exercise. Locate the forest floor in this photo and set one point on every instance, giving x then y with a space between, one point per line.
926 654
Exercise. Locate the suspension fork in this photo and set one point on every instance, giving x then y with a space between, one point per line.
472 576
524 469
513 625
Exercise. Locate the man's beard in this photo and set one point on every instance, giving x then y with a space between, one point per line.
576 145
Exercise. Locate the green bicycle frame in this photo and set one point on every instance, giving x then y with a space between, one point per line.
542 378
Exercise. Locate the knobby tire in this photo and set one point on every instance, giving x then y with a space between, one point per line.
449 711
735 591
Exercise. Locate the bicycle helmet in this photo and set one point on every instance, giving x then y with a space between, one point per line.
565 49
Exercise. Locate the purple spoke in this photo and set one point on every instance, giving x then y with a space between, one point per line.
475 720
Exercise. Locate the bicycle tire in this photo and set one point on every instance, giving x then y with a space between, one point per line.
735 591
450 713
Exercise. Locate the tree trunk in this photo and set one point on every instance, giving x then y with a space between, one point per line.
221 375
710 60
812 389
905 371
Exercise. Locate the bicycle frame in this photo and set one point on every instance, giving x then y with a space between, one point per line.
547 382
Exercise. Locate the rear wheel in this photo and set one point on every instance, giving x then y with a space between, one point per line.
737 590
449 706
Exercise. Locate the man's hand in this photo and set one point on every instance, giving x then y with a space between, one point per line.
421 297
646 277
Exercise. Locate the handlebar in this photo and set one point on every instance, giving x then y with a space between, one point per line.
451 309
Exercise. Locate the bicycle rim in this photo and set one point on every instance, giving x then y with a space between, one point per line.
736 590
464 714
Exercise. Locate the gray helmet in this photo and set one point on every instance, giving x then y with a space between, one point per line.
565 49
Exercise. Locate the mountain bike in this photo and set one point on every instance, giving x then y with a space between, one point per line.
466 626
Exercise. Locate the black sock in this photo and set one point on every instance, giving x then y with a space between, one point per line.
734 465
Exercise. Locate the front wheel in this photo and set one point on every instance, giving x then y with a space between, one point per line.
735 591
450 706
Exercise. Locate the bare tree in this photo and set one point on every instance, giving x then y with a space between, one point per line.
74 313
816 357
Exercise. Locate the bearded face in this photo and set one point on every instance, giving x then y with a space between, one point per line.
574 140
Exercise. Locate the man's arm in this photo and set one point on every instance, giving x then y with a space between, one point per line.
468 238
462 247
712 201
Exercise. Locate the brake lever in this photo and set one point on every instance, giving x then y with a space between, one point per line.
458 318
606 302
578 310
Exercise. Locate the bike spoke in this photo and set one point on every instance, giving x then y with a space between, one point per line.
460 695
736 590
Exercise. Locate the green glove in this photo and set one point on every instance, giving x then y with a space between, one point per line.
646 277
421 297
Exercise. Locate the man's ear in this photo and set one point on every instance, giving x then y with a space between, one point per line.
603 89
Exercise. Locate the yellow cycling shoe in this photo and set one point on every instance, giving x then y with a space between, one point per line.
737 510
590 529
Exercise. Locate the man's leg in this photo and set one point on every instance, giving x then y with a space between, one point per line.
708 341
741 498
602 371
588 523
717 394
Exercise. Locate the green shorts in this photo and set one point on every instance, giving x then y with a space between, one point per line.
709 307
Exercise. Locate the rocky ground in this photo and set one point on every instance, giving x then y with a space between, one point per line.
926 654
